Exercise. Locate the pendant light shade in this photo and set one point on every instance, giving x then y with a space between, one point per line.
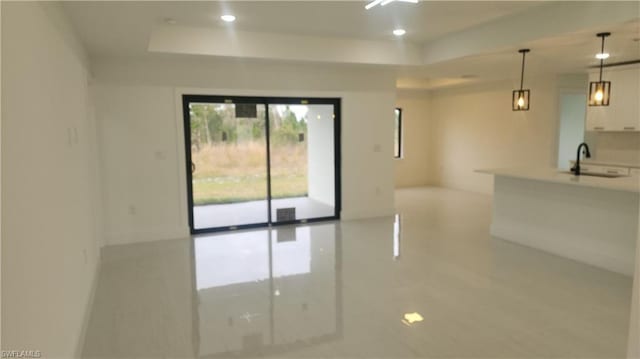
599 91
520 98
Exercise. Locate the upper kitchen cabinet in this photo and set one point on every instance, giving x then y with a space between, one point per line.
623 112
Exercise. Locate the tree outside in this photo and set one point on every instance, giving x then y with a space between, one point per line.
229 154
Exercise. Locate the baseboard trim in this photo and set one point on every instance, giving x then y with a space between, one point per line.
366 213
146 235
88 308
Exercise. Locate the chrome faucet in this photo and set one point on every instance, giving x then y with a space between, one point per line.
587 154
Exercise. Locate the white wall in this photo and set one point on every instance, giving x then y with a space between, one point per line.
417 140
1 181
137 135
320 150
634 322
141 133
618 147
474 127
49 249
450 132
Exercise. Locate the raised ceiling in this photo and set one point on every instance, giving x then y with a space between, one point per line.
112 27
445 39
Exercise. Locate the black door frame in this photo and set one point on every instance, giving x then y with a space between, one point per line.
336 102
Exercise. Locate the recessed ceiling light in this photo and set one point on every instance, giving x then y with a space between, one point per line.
602 56
399 32
228 18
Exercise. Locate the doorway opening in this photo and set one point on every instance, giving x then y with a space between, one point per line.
258 161
573 107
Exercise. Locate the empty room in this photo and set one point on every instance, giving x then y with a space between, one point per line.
320 179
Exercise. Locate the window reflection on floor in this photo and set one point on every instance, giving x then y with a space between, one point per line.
262 291
397 236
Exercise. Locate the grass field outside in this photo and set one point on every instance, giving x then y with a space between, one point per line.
231 173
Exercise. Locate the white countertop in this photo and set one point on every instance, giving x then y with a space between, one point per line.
627 184
607 163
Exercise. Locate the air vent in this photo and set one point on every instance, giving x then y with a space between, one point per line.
286 214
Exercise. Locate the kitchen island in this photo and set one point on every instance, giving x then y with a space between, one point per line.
589 219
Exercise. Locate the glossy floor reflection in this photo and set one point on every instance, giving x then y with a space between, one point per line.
429 282
266 291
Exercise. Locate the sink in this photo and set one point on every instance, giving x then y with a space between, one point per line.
604 175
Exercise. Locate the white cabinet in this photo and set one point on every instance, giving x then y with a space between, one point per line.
588 168
597 118
622 171
606 170
627 99
623 112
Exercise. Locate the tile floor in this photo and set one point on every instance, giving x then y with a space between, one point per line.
352 289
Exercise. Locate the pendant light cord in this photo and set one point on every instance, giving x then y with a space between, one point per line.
603 35
522 73
601 57
524 52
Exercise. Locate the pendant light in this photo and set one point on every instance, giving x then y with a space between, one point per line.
599 91
520 98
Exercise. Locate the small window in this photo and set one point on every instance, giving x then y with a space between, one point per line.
397 147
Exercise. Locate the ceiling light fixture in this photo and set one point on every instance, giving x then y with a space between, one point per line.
399 32
385 2
520 98
602 56
599 91
228 18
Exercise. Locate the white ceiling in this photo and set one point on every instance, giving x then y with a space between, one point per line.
565 53
110 27
446 32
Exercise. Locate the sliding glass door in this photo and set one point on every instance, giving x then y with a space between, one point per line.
259 161
228 163
302 161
